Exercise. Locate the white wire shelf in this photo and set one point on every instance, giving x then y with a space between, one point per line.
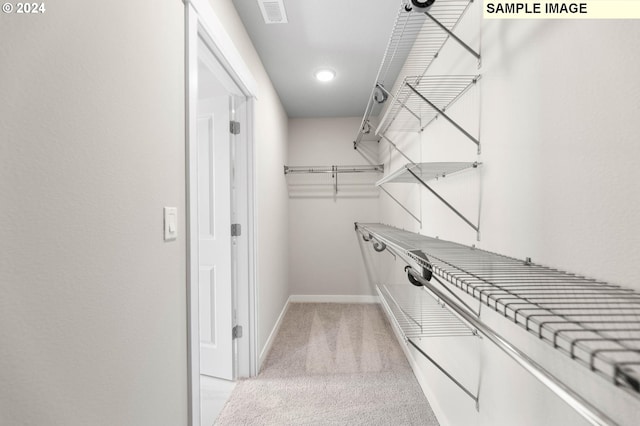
418 315
415 41
357 181
419 100
595 323
426 171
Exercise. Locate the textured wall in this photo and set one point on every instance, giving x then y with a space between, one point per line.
324 254
92 301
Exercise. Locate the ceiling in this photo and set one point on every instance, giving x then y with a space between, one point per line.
348 37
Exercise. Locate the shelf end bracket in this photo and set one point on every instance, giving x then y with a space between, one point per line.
453 36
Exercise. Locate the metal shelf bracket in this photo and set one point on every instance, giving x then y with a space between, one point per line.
453 36
442 113
417 219
445 202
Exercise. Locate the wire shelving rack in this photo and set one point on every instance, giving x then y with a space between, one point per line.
416 40
361 184
595 323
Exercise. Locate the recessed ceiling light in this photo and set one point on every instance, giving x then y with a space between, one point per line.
325 75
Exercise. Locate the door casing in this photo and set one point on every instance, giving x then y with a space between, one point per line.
202 23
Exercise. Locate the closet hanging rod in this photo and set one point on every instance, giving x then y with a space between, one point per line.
334 169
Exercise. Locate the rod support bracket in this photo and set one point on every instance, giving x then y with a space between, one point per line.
411 278
379 246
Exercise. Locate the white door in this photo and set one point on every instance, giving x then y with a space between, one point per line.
214 225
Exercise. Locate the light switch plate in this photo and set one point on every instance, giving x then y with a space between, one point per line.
170 223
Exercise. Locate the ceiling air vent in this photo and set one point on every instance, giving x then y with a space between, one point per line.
273 11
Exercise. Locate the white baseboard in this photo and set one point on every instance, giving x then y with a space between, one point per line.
272 336
333 298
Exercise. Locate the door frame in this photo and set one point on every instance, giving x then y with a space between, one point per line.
201 22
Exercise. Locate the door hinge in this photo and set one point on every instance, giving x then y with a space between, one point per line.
234 127
236 229
236 331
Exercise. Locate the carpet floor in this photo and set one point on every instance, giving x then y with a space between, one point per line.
331 364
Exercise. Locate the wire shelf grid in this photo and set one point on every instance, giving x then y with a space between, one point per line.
595 323
418 315
415 42
408 112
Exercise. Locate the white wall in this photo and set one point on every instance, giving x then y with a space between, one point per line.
92 301
324 254
271 191
559 106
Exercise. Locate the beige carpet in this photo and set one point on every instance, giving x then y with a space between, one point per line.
331 364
